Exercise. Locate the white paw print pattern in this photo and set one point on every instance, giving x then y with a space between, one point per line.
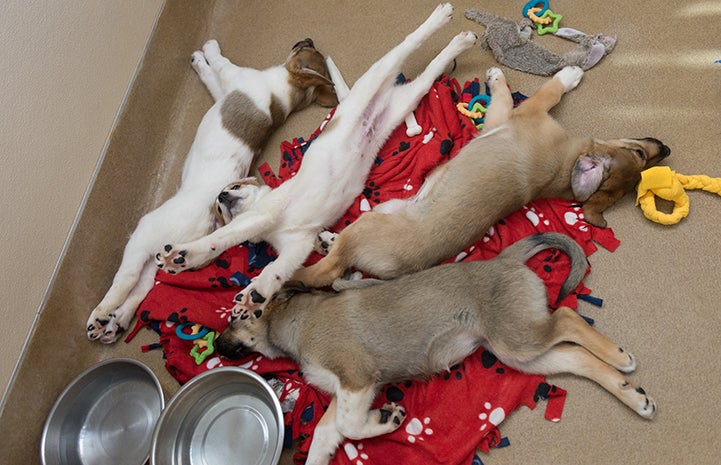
252 364
494 417
575 216
417 428
461 256
224 313
489 234
365 205
355 453
408 186
536 217
213 362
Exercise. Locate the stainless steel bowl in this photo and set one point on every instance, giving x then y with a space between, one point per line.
224 415
105 416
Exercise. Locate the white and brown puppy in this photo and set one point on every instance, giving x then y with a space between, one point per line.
249 104
332 174
523 154
351 343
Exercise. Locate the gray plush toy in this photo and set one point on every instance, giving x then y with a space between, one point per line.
511 44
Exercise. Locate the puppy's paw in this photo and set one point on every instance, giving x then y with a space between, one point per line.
628 365
494 75
392 415
249 303
570 77
642 403
464 40
171 260
324 242
103 327
197 60
211 49
441 15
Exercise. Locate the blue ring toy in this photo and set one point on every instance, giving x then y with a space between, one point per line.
190 337
535 3
479 98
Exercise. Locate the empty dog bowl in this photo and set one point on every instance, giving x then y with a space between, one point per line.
105 416
224 415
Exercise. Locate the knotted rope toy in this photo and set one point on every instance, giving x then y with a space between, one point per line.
663 182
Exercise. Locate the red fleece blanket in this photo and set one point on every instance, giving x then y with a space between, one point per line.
454 413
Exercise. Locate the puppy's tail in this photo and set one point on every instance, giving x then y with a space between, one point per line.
526 248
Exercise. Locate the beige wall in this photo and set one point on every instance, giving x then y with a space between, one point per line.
65 69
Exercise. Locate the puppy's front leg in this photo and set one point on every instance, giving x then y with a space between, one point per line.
326 438
550 93
181 257
499 110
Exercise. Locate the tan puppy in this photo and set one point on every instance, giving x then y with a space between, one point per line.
522 155
351 343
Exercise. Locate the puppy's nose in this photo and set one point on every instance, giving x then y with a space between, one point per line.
307 42
223 196
663 149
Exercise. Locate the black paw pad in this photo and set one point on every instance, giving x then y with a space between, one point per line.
256 297
168 247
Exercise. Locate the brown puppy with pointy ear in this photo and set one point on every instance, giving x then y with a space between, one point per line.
611 172
522 154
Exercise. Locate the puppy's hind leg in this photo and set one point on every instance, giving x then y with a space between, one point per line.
326 438
328 269
571 358
220 65
552 90
207 75
388 66
407 96
135 260
122 316
570 327
356 421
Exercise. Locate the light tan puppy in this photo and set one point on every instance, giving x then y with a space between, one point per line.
351 343
523 154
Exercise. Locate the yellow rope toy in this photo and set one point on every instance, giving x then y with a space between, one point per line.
665 183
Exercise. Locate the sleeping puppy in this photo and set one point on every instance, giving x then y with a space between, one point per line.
523 154
333 173
249 105
351 343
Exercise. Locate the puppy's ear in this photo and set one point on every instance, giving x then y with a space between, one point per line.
325 96
290 289
304 73
589 172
